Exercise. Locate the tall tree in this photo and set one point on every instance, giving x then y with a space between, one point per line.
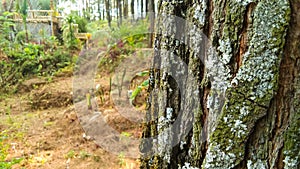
151 14
120 15
99 9
125 8
132 8
8 6
107 9
224 86
142 8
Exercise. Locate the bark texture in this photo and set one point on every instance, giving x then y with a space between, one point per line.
225 86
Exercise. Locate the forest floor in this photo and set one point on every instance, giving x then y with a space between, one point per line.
40 125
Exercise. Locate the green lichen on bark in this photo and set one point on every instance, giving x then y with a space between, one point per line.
255 84
292 139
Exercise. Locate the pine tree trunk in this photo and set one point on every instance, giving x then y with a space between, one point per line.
151 16
119 7
107 9
125 6
224 86
142 9
132 8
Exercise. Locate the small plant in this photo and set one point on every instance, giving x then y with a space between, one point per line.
121 158
4 152
70 154
84 154
70 41
141 86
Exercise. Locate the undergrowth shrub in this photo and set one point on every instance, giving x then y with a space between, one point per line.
31 60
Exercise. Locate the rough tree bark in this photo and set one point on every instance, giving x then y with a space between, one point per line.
240 94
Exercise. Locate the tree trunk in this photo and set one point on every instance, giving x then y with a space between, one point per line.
142 9
224 86
99 9
132 8
125 6
107 9
147 5
119 6
151 15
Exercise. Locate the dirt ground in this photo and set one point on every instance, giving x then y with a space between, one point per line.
42 127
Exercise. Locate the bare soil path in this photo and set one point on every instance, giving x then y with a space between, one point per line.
42 127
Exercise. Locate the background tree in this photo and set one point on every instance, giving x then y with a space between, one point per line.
132 8
236 103
142 8
108 16
125 8
120 15
8 5
151 15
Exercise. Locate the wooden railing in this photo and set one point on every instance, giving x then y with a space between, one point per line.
38 16
49 16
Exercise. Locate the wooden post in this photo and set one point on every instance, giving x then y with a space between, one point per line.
51 21
52 15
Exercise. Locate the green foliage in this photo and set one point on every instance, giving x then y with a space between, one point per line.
82 22
140 87
24 9
21 36
70 154
5 28
44 4
31 60
133 34
4 152
121 158
70 41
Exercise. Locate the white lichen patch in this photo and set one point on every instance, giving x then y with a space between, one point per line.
244 2
187 166
239 129
219 75
169 113
164 144
291 162
256 164
200 11
215 158
226 50
245 111
217 72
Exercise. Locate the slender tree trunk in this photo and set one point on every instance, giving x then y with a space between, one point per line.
108 16
224 86
99 10
142 9
132 8
103 13
147 6
151 19
125 7
119 6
